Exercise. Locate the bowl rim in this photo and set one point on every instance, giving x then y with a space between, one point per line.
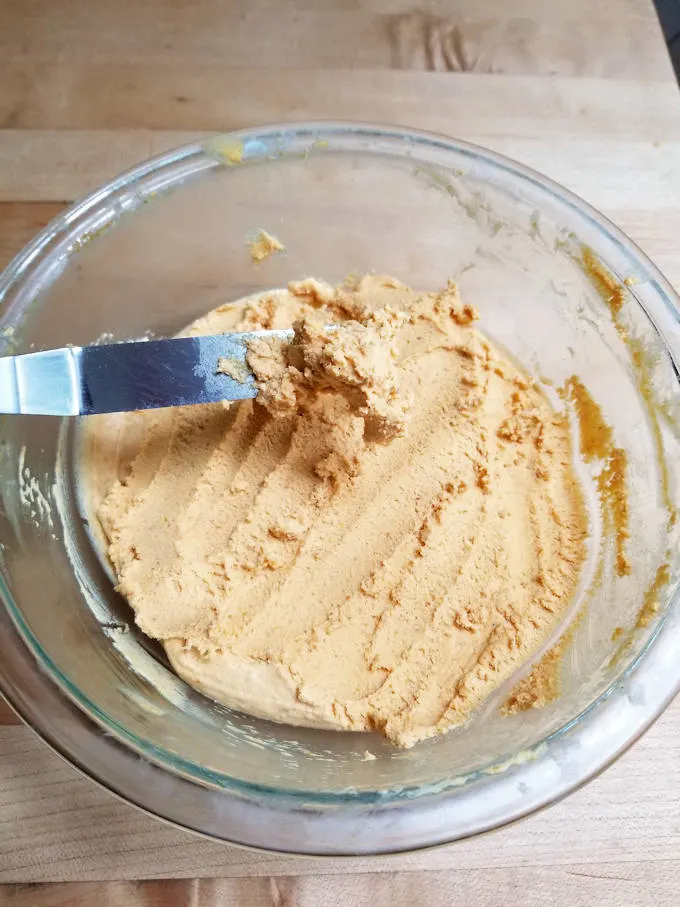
424 822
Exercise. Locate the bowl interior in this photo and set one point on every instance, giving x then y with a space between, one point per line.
168 242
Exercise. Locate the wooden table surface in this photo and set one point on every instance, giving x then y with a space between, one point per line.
582 91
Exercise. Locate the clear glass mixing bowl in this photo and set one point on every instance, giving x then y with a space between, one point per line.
167 241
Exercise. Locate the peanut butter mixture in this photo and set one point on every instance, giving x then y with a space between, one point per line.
376 543
356 362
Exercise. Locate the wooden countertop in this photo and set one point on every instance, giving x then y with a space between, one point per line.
581 91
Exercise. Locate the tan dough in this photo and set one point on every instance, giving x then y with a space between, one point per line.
264 245
379 546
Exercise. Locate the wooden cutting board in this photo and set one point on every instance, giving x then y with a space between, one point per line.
582 91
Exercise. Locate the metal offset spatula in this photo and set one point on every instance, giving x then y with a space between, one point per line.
82 381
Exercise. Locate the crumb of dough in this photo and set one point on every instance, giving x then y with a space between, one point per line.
264 245
233 153
233 368
356 359
299 566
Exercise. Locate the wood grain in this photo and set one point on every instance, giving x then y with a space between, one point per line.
604 39
580 132
648 884
220 97
55 165
7 716
56 825
19 222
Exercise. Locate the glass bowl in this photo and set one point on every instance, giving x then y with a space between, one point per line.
555 283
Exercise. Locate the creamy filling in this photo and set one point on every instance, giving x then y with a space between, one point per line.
376 543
